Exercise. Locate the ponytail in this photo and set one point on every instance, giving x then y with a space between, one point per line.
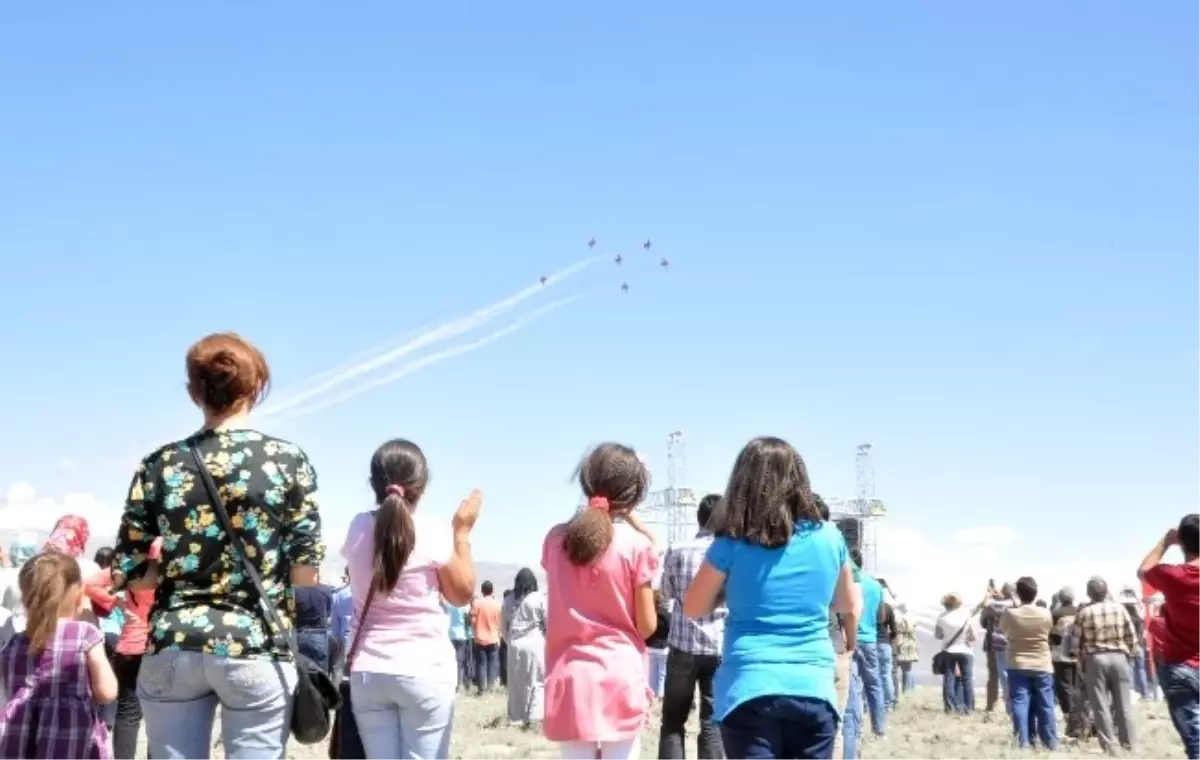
588 536
615 480
395 537
46 582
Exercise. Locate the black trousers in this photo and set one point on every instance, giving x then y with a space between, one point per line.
686 671
503 662
129 710
1064 686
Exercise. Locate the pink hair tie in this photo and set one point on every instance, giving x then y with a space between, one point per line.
394 490
598 502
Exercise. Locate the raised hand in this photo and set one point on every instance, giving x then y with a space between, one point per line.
468 512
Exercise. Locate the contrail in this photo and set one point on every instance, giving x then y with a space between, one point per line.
440 356
361 356
442 332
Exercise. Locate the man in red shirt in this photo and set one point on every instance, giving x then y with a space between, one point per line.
1179 634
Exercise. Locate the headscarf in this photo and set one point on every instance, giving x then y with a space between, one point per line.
70 536
22 549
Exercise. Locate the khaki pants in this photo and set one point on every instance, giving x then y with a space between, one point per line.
841 683
1109 681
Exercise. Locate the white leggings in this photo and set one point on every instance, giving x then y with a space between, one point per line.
626 749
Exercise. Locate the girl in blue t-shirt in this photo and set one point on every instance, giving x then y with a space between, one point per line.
780 568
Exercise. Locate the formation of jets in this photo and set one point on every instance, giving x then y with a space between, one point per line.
618 260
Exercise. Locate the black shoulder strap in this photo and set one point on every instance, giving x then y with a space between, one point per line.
954 638
272 617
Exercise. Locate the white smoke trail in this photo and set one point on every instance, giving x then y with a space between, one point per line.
361 356
427 361
441 332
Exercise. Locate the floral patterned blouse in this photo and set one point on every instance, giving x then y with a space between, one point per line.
204 602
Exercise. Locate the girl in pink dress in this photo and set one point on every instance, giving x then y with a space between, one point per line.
599 569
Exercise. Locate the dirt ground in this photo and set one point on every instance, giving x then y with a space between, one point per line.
918 729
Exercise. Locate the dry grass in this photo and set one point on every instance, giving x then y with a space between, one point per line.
918 729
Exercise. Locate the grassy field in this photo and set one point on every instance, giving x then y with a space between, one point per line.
918 729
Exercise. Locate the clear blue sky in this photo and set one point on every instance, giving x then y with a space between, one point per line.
965 232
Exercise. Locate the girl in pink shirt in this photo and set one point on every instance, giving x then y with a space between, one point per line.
402 563
599 569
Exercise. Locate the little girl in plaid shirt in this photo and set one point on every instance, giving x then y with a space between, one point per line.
54 675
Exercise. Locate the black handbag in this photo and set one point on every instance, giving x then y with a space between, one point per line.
345 742
315 695
939 659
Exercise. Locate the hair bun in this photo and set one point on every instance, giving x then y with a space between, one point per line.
225 370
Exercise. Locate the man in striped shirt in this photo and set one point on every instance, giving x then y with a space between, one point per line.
695 648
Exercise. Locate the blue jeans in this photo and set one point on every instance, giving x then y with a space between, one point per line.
958 684
908 681
884 653
1181 687
1032 695
179 693
1141 678
487 666
402 717
866 662
780 727
462 656
313 643
852 715
657 674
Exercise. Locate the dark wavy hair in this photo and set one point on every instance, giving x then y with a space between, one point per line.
524 584
767 496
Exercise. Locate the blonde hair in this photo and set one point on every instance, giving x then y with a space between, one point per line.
50 586
951 601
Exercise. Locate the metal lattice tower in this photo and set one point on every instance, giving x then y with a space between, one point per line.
867 506
674 507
